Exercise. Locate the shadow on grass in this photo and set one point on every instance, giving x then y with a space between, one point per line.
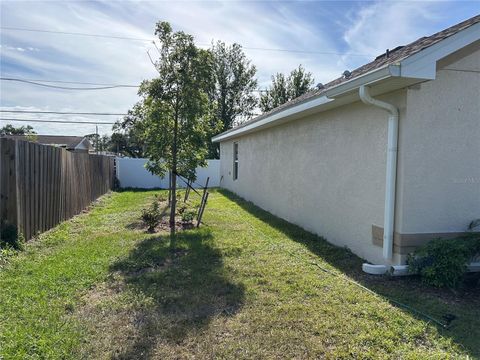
187 288
135 190
439 303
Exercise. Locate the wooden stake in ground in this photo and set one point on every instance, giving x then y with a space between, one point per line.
187 190
201 210
202 203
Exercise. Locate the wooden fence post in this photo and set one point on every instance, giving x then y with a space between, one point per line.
8 183
19 195
2 200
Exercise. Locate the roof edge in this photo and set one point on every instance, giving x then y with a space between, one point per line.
421 65
312 103
265 122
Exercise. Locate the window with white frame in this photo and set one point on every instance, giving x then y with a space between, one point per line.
235 161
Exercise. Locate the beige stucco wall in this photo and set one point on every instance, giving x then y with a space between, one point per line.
439 158
325 172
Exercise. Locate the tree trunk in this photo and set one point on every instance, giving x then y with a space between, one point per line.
173 204
169 188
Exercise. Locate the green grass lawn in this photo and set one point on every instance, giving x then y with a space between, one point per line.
244 285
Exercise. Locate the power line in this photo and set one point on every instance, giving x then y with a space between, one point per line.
107 86
68 88
200 44
58 121
13 78
60 112
74 33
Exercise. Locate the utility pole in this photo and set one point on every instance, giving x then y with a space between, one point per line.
96 137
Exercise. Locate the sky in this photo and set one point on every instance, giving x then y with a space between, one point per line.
326 37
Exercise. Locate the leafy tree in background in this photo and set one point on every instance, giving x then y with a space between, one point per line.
21 130
299 82
127 144
99 142
230 92
276 95
233 93
127 138
175 111
284 89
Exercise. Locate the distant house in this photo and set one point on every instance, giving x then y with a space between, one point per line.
382 159
71 143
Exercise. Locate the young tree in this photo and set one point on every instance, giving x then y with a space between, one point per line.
9 129
285 89
175 110
235 84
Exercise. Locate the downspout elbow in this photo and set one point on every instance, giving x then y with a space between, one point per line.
369 100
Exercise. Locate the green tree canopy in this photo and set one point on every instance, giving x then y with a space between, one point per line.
127 144
9 129
99 142
175 105
284 89
128 135
235 84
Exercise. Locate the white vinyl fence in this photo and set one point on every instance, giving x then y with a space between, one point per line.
132 174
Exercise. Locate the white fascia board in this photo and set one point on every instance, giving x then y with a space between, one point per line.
289 112
423 65
327 97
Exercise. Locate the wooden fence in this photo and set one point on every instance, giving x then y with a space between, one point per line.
41 186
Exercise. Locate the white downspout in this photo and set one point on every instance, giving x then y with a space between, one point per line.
392 150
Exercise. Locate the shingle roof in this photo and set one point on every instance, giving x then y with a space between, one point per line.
395 55
70 142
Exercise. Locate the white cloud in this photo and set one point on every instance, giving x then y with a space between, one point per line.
382 25
17 48
368 30
90 59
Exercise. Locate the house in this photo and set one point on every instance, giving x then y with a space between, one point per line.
78 144
381 160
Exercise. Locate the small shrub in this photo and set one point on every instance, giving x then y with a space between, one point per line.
161 197
116 184
5 254
443 262
474 224
181 209
9 237
152 216
188 215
